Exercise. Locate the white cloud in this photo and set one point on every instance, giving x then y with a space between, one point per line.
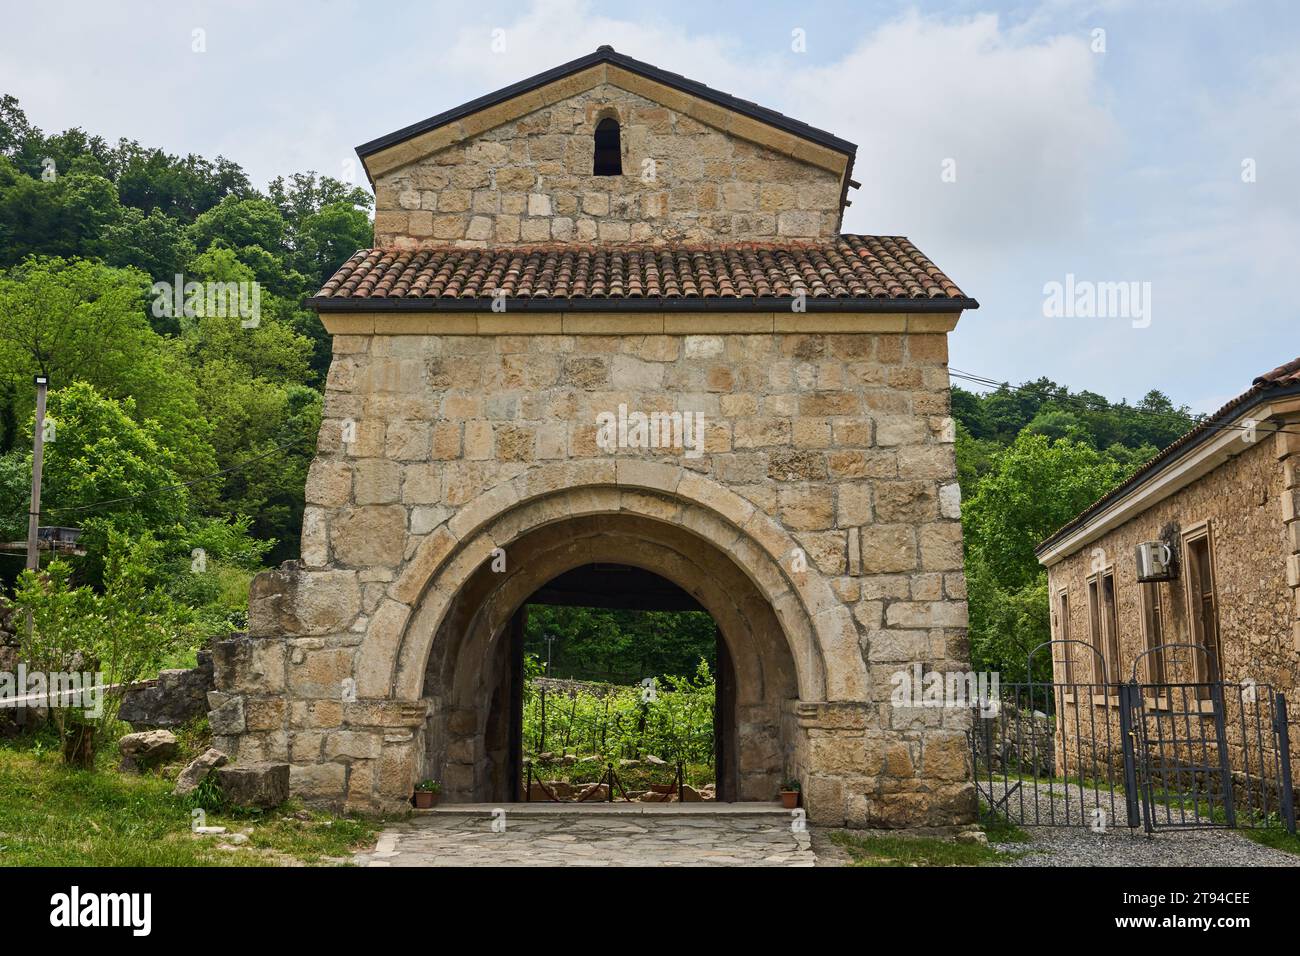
1021 120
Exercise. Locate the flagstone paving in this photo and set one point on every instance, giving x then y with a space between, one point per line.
767 837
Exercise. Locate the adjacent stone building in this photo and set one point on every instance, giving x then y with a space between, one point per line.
610 319
1224 500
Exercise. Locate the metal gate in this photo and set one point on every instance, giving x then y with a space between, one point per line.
1210 754
1164 756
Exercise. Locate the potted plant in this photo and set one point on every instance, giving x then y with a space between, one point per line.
790 793
426 794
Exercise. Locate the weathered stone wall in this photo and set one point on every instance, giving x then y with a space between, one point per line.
1244 500
530 181
827 480
172 699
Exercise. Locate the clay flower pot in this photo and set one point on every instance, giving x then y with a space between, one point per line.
789 799
424 799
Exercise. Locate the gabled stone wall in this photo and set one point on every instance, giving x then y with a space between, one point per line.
530 181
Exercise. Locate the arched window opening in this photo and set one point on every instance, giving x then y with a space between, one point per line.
609 154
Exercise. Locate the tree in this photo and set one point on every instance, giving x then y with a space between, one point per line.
326 239
246 384
1035 487
180 188
61 217
238 223
101 453
81 321
154 243
1006 625
620 646
14 127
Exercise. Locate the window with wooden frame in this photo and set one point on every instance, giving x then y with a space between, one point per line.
1103 627
1153 632
1063 634
1110 646
1202 605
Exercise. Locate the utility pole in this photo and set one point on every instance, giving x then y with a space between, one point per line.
23 715
38 460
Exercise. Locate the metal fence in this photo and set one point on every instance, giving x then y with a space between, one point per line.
1162 756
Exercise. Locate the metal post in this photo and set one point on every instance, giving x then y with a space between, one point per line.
1284 752
38 460
1130 699
541 742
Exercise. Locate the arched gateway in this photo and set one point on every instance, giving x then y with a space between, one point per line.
681 368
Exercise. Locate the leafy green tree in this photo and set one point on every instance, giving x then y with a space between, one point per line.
81 321
15 494
154 243
60 217
238 223
1007 624
178 187
1055 422
326 239
101 453
246 379
14 127
1035 487
975 457
620 646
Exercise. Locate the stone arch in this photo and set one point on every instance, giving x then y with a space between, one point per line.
470 659
822 636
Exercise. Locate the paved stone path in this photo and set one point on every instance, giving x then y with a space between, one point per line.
640 836
744 835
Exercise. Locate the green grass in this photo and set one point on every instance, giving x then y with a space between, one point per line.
51 815
1278 839
1000 830
875 849
878 850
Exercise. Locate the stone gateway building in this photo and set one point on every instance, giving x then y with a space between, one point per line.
610 323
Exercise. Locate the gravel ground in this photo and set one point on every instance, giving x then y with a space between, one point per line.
1119 846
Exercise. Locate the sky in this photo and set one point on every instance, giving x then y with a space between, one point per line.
1019 145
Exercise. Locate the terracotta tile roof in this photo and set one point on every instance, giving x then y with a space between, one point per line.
865 273
1282 377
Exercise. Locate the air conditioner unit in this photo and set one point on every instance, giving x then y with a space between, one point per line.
1155 562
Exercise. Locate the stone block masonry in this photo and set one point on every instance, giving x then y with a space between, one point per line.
820 527
531 181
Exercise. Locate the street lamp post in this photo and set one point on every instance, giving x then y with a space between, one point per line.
38 460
